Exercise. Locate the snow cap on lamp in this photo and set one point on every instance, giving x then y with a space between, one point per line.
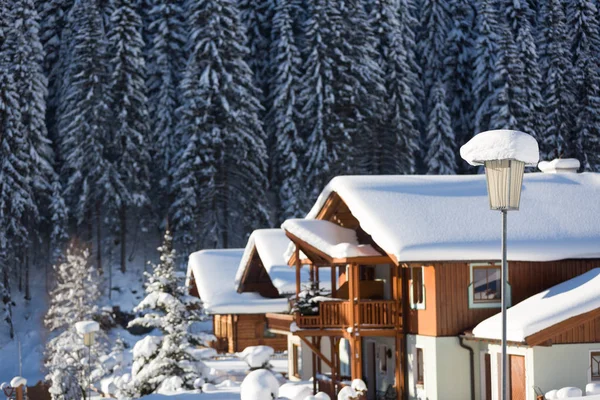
501 144
505 153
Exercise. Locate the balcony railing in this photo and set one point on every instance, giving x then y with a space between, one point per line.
337 314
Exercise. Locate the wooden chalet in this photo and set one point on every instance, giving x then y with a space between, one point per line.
413 265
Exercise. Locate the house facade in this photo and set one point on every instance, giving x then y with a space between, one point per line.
413 267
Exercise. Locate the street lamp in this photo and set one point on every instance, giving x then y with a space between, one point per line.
88 330
504 153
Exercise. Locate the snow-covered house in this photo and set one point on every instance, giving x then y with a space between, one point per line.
238 318
414 265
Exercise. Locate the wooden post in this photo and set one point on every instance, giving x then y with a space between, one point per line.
298 266
314 367
333 281
20 392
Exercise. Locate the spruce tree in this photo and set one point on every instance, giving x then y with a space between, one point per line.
166 62
169 308
557 83
83 124
128 148
519 17
223 145
401 142
440 138
487 48
342 94
585 49
282 117
458 69
435 25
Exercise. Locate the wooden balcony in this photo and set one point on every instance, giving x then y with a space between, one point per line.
338 314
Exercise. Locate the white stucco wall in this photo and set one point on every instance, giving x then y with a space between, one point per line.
562 365
446 369
382 379
306 370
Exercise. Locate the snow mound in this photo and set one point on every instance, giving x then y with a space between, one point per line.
559 165
359 386
501 145
85 327
551 395
592 388
260 385
18 381
256 356
569 392
146 347
170 385
295 391
322 396
347 393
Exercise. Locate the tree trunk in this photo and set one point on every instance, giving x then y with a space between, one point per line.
27 288
99 238
123 232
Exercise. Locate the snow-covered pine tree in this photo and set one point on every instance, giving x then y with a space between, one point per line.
74 299
83 123
16 198
557 82
128 146
223 145
402 136
441 152
487 45
342 94
458 69
528 92
281 118
435 25
167 307
166 62
257 19
582 18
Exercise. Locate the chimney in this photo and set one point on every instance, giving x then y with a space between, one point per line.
560 166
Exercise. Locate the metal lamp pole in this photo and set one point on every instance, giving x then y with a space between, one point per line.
504 296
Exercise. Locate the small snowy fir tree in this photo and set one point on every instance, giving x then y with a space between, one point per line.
583 22
73 300
220 180
281 120
170 358
440 138
557 83
402 136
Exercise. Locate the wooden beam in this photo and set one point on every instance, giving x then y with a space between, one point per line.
298 278
317 351
549 333
333 281
366 260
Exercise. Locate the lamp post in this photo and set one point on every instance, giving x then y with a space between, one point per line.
88 330
504 154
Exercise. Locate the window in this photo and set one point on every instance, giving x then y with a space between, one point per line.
420 367
485 286
417 288
296 361
268 334
595 365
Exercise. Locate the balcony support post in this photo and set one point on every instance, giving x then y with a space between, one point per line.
298 266
333 281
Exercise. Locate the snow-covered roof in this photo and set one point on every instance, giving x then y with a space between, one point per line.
329 238
545 309
271 246
501 144
214 274
443 218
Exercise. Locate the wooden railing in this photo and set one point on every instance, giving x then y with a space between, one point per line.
337 314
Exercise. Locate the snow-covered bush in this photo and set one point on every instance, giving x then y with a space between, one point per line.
72 365
295 391
157 360
257 356
260 384
356 389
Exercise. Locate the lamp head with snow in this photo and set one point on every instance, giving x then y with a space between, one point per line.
88 330
504 153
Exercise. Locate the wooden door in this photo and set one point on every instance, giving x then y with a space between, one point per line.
517 377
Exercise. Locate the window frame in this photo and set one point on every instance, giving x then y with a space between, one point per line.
419 367
594 353
470 289
411 289
296 361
